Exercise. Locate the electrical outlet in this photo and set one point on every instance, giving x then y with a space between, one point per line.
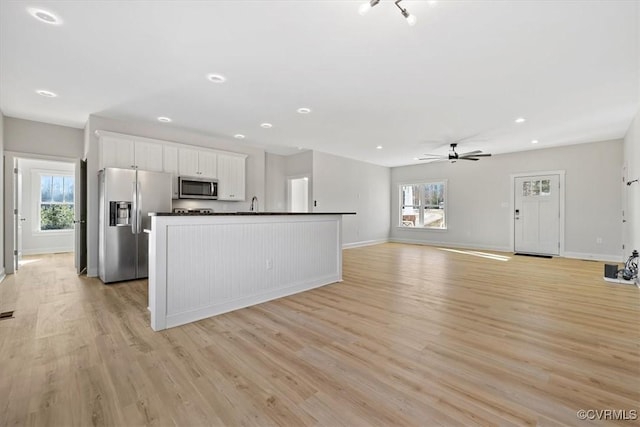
269 264
599 240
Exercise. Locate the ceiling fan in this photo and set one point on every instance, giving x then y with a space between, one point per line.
453 155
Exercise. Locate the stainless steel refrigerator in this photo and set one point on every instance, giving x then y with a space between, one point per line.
126 198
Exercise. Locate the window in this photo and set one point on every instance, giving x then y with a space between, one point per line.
423 205
536 187
56 202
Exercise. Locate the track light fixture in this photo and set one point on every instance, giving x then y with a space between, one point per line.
411 19
365 7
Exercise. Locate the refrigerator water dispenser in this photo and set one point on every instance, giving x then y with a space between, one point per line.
119 214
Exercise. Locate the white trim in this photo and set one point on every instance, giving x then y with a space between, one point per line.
92 272
572 255
594 257
364 243
2 274
453 245
512 204
41 251
437 230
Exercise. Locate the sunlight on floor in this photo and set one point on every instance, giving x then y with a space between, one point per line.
27 261
479 254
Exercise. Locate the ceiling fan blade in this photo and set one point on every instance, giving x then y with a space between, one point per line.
432 159
474 155
475 159
471 153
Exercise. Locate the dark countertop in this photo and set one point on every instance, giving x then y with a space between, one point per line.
247 213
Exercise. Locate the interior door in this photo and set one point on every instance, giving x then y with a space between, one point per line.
18 218
298 194
537 214
80 220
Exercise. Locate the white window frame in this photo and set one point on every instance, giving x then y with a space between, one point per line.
38 200
445 208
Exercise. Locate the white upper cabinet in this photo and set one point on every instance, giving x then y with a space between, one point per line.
208 163
170 164
188 162
127 153
148 156
231 177
116 152
197 163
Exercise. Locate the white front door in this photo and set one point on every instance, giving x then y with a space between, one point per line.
537 214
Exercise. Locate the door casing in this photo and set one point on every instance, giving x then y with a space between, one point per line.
9 191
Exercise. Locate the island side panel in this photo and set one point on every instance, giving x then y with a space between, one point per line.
216 265
158 274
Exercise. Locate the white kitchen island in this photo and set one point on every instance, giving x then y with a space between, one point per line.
207 264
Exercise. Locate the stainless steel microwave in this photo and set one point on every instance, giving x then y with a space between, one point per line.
197 188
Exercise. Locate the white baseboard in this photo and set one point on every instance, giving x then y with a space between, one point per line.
453 245
2 274
594 257
364 243
42 251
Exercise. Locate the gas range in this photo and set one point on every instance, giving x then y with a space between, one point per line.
195 211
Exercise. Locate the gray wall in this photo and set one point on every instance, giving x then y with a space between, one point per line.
341 184
255 185
632 192
26 136
275 183
2 270
337 184
479 213
35 241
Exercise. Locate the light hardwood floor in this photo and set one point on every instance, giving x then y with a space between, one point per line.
415 335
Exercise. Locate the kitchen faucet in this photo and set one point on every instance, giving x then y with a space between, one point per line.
254 200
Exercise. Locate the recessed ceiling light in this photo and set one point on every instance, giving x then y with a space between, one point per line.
239 136
415 158
44 16
432 2
266 125
46 93
164 119
304 110
379 147
520 120
535 141
216 78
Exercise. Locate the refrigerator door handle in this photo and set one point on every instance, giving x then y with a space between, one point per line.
139 209
134 208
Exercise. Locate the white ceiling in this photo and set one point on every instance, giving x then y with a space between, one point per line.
468 67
